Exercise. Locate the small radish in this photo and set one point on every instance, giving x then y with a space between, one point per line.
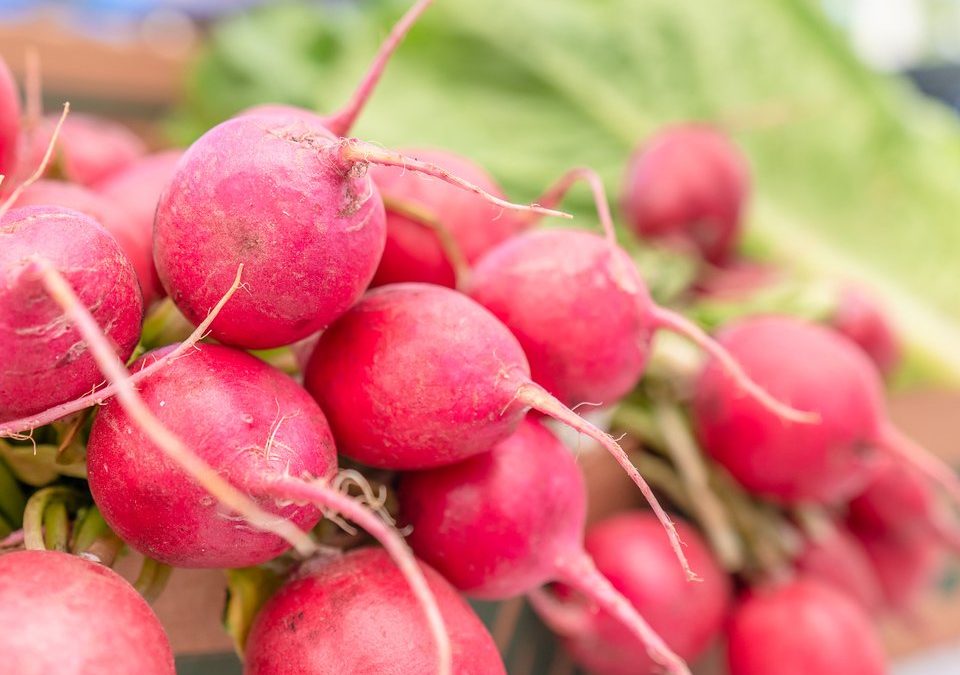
252 462
511 520
838 559
417 376
90 149
811 368
687 186
581 311
136 243
353 614
629 550
136 189
290 201
905 564
801 627
899 501
9 123
63 615
45 360
860 319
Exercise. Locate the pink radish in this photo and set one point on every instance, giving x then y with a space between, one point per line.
905 564
291 202
812 368
860 319
45 360
581 311
63 615
416 208
510 520
353 614
899 501
9 123
687 186
90 149
837 558
738 280
246 461
630 551
136 189
136 243
417 376
801 627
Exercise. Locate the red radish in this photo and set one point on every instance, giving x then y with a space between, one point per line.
905 564
581 311
899 501
417 207
860 319
136 243
264 470
45 360
341 122
90 149
291 202
417 376
687 186
9 122
802 627
837 558
629 550
136 189
510 520
63 615
812 368
353 614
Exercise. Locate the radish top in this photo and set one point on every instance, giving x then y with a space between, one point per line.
65 615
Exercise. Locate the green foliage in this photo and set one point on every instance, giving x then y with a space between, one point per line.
856 176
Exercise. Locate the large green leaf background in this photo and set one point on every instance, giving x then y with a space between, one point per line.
856 175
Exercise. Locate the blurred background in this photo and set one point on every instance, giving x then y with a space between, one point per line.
846 109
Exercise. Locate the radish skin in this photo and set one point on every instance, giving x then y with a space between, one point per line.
9 124
63 615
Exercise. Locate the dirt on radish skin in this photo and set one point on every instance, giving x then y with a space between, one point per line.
135 242
801 627
269 192
630 550
687 186
355 614
90 149
62 615
9 125
413 251
242 417
812 368
510 520
45 360
838 559
136 189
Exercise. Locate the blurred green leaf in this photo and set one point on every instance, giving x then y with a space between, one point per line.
856 175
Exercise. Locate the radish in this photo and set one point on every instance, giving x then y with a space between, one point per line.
510 520
687 186
45 360
289 200
812 368
860 319
630 551
63 615
255 457
136 243
801 627
352 614
136 189
90 149
417 376
581 311
417 208
9 121
905 564
836 558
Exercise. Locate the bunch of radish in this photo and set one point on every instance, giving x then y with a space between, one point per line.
382 340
